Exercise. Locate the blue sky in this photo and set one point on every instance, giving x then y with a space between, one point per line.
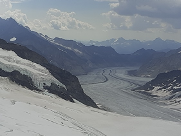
98 19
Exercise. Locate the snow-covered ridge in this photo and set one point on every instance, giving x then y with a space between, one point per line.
53 41
10 61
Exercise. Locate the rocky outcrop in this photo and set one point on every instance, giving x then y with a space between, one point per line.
59 91
19 79
170 81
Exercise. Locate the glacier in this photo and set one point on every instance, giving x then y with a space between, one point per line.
24 112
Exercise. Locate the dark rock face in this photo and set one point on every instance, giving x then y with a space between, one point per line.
19 79
70 81
59 91
26 81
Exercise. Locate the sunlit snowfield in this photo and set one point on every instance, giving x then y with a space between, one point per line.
112 88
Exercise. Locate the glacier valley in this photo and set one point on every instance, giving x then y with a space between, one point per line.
112 89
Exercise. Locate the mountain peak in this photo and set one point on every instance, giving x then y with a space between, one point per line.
158 39
11 20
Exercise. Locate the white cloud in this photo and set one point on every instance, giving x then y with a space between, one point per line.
17 1
146 15
114 5
6 11
4 6
55 19
136 22
37 24
17 15
20 17
150 8
65 21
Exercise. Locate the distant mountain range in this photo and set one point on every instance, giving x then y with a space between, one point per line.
123 46
68 54
78 59
30 70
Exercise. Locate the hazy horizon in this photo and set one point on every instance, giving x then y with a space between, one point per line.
98 20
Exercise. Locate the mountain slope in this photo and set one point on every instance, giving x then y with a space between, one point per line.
68 54
29 69
58 56
166 87
94 56
123 46
164 63
142 56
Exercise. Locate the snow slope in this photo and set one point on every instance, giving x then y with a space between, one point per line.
26 113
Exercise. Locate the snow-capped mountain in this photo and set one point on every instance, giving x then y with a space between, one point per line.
33 71
123 46
166 87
